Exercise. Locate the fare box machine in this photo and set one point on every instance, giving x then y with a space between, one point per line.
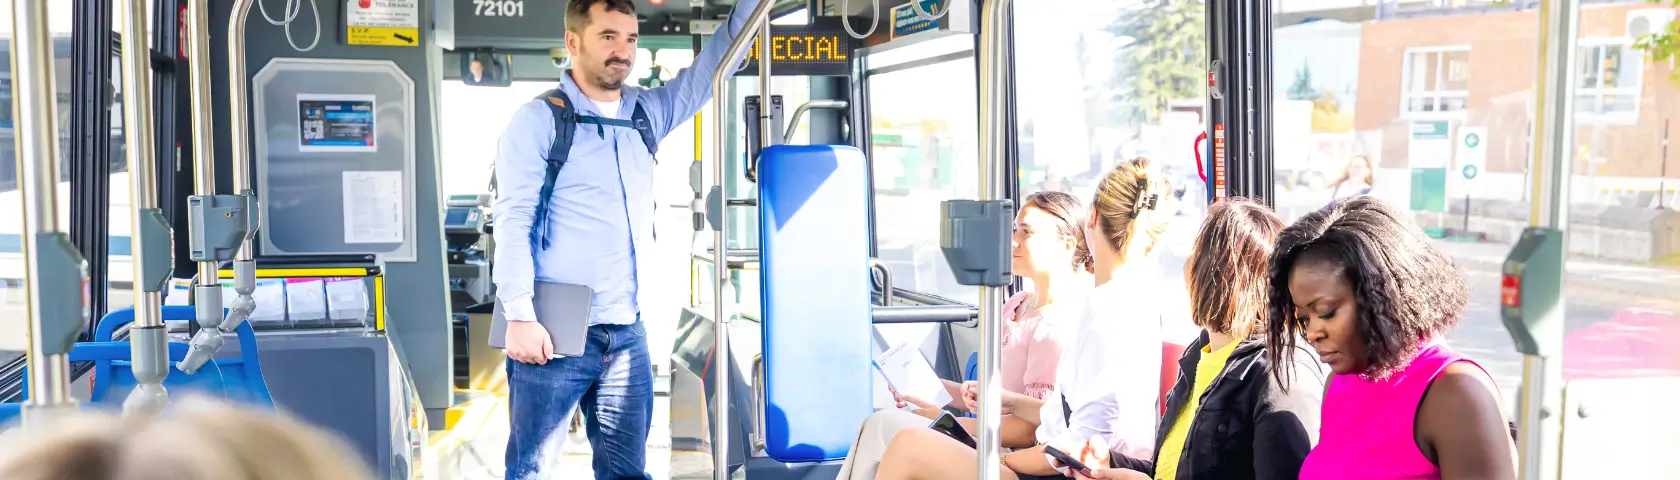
470 248
335 167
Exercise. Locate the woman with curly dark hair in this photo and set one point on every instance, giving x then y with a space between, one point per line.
1373 296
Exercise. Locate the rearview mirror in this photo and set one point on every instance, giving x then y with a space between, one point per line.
486 69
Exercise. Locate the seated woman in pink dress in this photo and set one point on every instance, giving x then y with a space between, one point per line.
1049 250
1373 296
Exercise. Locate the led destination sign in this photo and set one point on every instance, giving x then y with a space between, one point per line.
820 49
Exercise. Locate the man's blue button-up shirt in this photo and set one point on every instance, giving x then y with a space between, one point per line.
600 221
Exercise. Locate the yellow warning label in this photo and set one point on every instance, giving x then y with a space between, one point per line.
383 36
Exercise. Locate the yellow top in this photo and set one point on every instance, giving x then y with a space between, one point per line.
1207 369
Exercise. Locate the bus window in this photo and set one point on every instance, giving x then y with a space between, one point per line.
60 21
119 226
471 122
925 150
1085 109
1419 109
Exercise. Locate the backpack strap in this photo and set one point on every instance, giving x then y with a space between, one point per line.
639 121
565 126
566 120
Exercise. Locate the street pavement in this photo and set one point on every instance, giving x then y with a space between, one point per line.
1597 296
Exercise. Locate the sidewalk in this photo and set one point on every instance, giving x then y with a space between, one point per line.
1645 283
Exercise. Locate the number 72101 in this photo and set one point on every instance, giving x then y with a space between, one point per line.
499 8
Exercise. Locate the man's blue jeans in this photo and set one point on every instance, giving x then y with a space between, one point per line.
614 382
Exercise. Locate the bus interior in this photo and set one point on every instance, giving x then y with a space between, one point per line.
811 206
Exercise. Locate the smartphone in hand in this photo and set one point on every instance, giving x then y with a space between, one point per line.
947 424
1073 464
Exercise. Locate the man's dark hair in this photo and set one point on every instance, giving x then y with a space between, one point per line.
1408 290
577 12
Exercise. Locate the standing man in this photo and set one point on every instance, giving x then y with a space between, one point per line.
595 229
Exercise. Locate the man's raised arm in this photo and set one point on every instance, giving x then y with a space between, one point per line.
683 96
519 177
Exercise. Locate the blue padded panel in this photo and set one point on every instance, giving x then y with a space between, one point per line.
237 379
971 370
814 242
971 373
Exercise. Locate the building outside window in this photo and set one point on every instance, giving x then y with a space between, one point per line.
1610 76
1435 81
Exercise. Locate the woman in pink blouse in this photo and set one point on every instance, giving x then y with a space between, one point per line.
1049 251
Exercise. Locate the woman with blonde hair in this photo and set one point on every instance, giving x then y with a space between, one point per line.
195 440
1227 416
1108 379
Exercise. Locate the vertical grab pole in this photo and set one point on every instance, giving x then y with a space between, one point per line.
222 225
244 265
766 121
54 274
151 248
994 77
1541 398
208 293
715 205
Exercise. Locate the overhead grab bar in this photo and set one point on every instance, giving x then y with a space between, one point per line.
787 136
924 314
720 233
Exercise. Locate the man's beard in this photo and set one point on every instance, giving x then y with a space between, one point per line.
605 80
605 83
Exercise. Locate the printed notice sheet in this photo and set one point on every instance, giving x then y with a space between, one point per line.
909 374
373 207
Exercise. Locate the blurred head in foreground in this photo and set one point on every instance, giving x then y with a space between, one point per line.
196 439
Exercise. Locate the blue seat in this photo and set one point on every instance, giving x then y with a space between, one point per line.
971 373
971 370
814 271
235 379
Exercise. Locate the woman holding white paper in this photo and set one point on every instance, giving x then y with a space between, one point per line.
1108 383
1049 251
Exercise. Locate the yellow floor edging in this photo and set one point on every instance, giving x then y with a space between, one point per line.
462 422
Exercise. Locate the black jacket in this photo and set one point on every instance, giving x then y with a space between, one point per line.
1247 426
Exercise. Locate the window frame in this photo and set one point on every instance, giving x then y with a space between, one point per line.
1438 53
1596 116
898 57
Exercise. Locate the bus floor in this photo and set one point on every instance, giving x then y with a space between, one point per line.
483 455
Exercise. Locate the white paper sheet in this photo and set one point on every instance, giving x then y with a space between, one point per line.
883 397
306 300
909 373
270 296
373 207
346 299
